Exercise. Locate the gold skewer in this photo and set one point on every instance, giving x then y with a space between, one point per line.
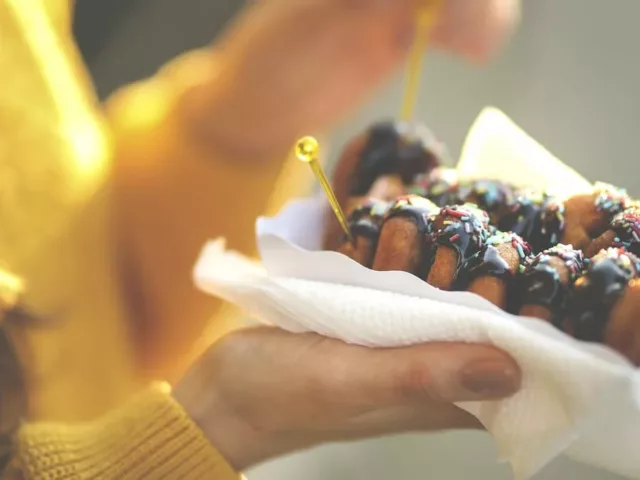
426 20
307 150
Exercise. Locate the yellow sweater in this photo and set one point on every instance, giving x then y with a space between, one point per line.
104 217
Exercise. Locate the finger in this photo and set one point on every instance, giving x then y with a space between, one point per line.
426 417
476 29
443 372
315 59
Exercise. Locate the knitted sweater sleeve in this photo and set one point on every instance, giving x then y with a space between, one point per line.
150 437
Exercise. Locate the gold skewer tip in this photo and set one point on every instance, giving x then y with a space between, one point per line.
308 150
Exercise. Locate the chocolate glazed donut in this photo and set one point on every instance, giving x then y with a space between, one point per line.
387 149
460 233
545 284
536 217
406 238
492 272
365 223
605 302
623 232
589 215
380 163
443 187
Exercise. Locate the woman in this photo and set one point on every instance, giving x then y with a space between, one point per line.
191 154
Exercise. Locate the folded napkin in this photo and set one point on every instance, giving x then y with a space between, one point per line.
577 398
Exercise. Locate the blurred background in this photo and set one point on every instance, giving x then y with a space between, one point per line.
570 78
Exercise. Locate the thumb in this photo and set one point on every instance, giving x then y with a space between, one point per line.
444 372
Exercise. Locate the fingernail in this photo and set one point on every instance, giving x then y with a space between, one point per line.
490 379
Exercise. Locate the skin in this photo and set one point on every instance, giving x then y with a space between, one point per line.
262 393
317 76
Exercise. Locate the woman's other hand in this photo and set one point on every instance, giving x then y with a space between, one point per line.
291 68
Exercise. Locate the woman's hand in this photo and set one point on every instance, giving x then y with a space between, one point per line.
293 68
261 393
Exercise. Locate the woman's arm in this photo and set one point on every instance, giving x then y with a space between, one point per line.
174 191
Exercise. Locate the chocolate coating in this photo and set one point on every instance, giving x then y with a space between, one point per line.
626 227
464 229
595 294
366 220
420 211
541 282
440 186
609 199
394 148
443 188
489 262
536 217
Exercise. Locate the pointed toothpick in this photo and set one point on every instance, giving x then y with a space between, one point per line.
307 150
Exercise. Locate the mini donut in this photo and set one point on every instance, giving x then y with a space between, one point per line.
545 284
405 238
535 216
494 197
622 333
443 187
491 273
440 186
365 223
623 232
387 149
459 233
588 215
385 189
597 293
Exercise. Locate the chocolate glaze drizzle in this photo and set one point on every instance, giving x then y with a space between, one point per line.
443 188
440 186
464 228
489 262
421 211
536 217
610 199
492 196
541 284
626 226
595 293
579 293
394 148
366 220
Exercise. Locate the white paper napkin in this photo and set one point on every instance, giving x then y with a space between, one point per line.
578 398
